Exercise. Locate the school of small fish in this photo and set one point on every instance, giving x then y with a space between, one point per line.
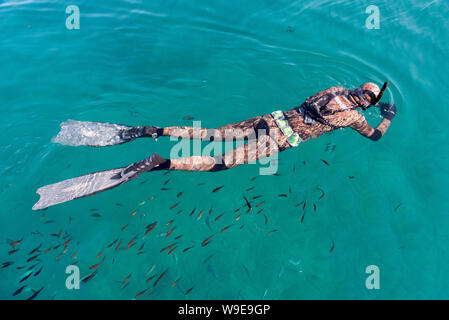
61 245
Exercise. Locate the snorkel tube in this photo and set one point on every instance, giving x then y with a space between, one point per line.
379 96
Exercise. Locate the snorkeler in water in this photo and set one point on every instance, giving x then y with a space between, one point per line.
328 110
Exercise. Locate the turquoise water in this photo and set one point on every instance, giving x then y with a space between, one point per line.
155 62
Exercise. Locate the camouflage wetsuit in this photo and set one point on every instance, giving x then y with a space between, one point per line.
341 111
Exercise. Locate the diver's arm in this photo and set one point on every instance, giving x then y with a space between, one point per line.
371 133
388 111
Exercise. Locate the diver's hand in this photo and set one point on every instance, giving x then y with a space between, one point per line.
387 110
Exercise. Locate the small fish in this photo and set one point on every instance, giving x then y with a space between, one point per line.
118 245
12 252
89 277
259 204
167 248
225 228
169 232
304 205
179 194
95 266
299 204
160 277
187 249
249 189
255 197
332 247
19 290
314 207
322 193
266 219
218 188
254 178
15 243
283 195
248 204
174 206
34 295
96 215
112 243
302 218
131 243
174 283
260 211
325 162
193 211
38 271
6 264
218 217
124 227
165 182
49 221
177 237
35 249
397 207
151 226
127 278
206 241
351 177
26 277
246 271
33 257
140 293
200 214
188 118
150 278
274 230
188 291
99 254
133 213
171 251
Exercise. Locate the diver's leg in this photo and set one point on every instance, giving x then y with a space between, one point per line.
244 130
263 147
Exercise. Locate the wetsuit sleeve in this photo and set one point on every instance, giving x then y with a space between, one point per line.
361 126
